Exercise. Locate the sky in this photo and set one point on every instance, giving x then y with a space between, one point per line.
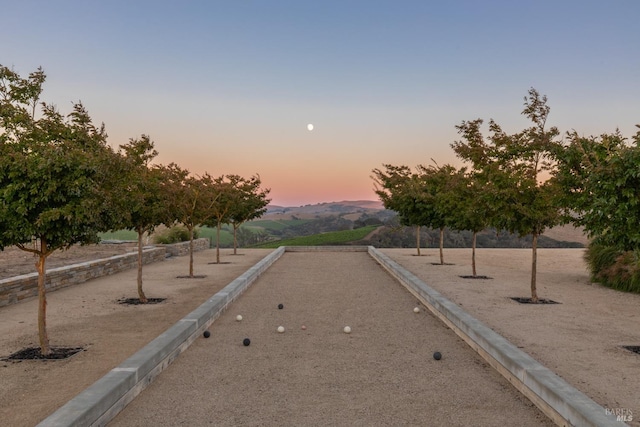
229 87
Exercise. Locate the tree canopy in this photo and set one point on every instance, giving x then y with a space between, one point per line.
143 204
601 181
51 169
251 203
512 168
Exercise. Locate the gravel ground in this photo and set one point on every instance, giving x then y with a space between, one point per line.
382 373
321 373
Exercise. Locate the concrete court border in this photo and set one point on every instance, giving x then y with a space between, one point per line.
561 402
103 400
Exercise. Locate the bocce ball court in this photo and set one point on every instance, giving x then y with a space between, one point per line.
382 373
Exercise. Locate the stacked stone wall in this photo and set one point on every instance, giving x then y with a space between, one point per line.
182 248
18 288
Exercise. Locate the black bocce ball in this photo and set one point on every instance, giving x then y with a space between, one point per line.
246 341
280 306
437 355
206 334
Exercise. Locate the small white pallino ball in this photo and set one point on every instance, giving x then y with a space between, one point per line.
238 317
281 329
347 330
416 310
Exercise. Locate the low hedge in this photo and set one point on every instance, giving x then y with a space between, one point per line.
175 234
614 268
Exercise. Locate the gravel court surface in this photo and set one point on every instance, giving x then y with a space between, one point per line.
383 373
579 339
89 314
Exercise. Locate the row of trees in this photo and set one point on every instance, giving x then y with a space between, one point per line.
61 184
524 183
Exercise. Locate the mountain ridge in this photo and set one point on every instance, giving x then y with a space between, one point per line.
355 209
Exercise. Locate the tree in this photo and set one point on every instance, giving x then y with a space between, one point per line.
51 169
463 204
226 195
142 206
434 184
190 199
415 196
252 203
397 188
600 178
513 168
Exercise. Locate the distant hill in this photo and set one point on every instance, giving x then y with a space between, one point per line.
567 233
288 222
275 212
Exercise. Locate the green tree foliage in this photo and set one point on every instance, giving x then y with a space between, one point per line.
601 181
434 188
399 190
464 205
226 196
251 203
51 170
513 169
190 200
601 178
417 197
140 196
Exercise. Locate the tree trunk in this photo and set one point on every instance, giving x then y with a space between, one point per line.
141 295
42 299
235 239
534 267
442 246
418 239
191 252
218 243
473 253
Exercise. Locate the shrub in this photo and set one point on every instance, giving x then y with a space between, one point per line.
175 234
614 268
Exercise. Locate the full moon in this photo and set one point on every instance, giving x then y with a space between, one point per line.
309 127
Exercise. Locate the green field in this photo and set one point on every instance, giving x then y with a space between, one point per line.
226 235
329 238
119 235
267 224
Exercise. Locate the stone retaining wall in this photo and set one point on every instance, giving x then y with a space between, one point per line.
180 249
16 289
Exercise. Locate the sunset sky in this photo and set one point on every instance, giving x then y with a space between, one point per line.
230 86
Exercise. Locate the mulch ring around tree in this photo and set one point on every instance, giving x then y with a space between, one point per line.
33 353
527 300
136 301
632 348
476 277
